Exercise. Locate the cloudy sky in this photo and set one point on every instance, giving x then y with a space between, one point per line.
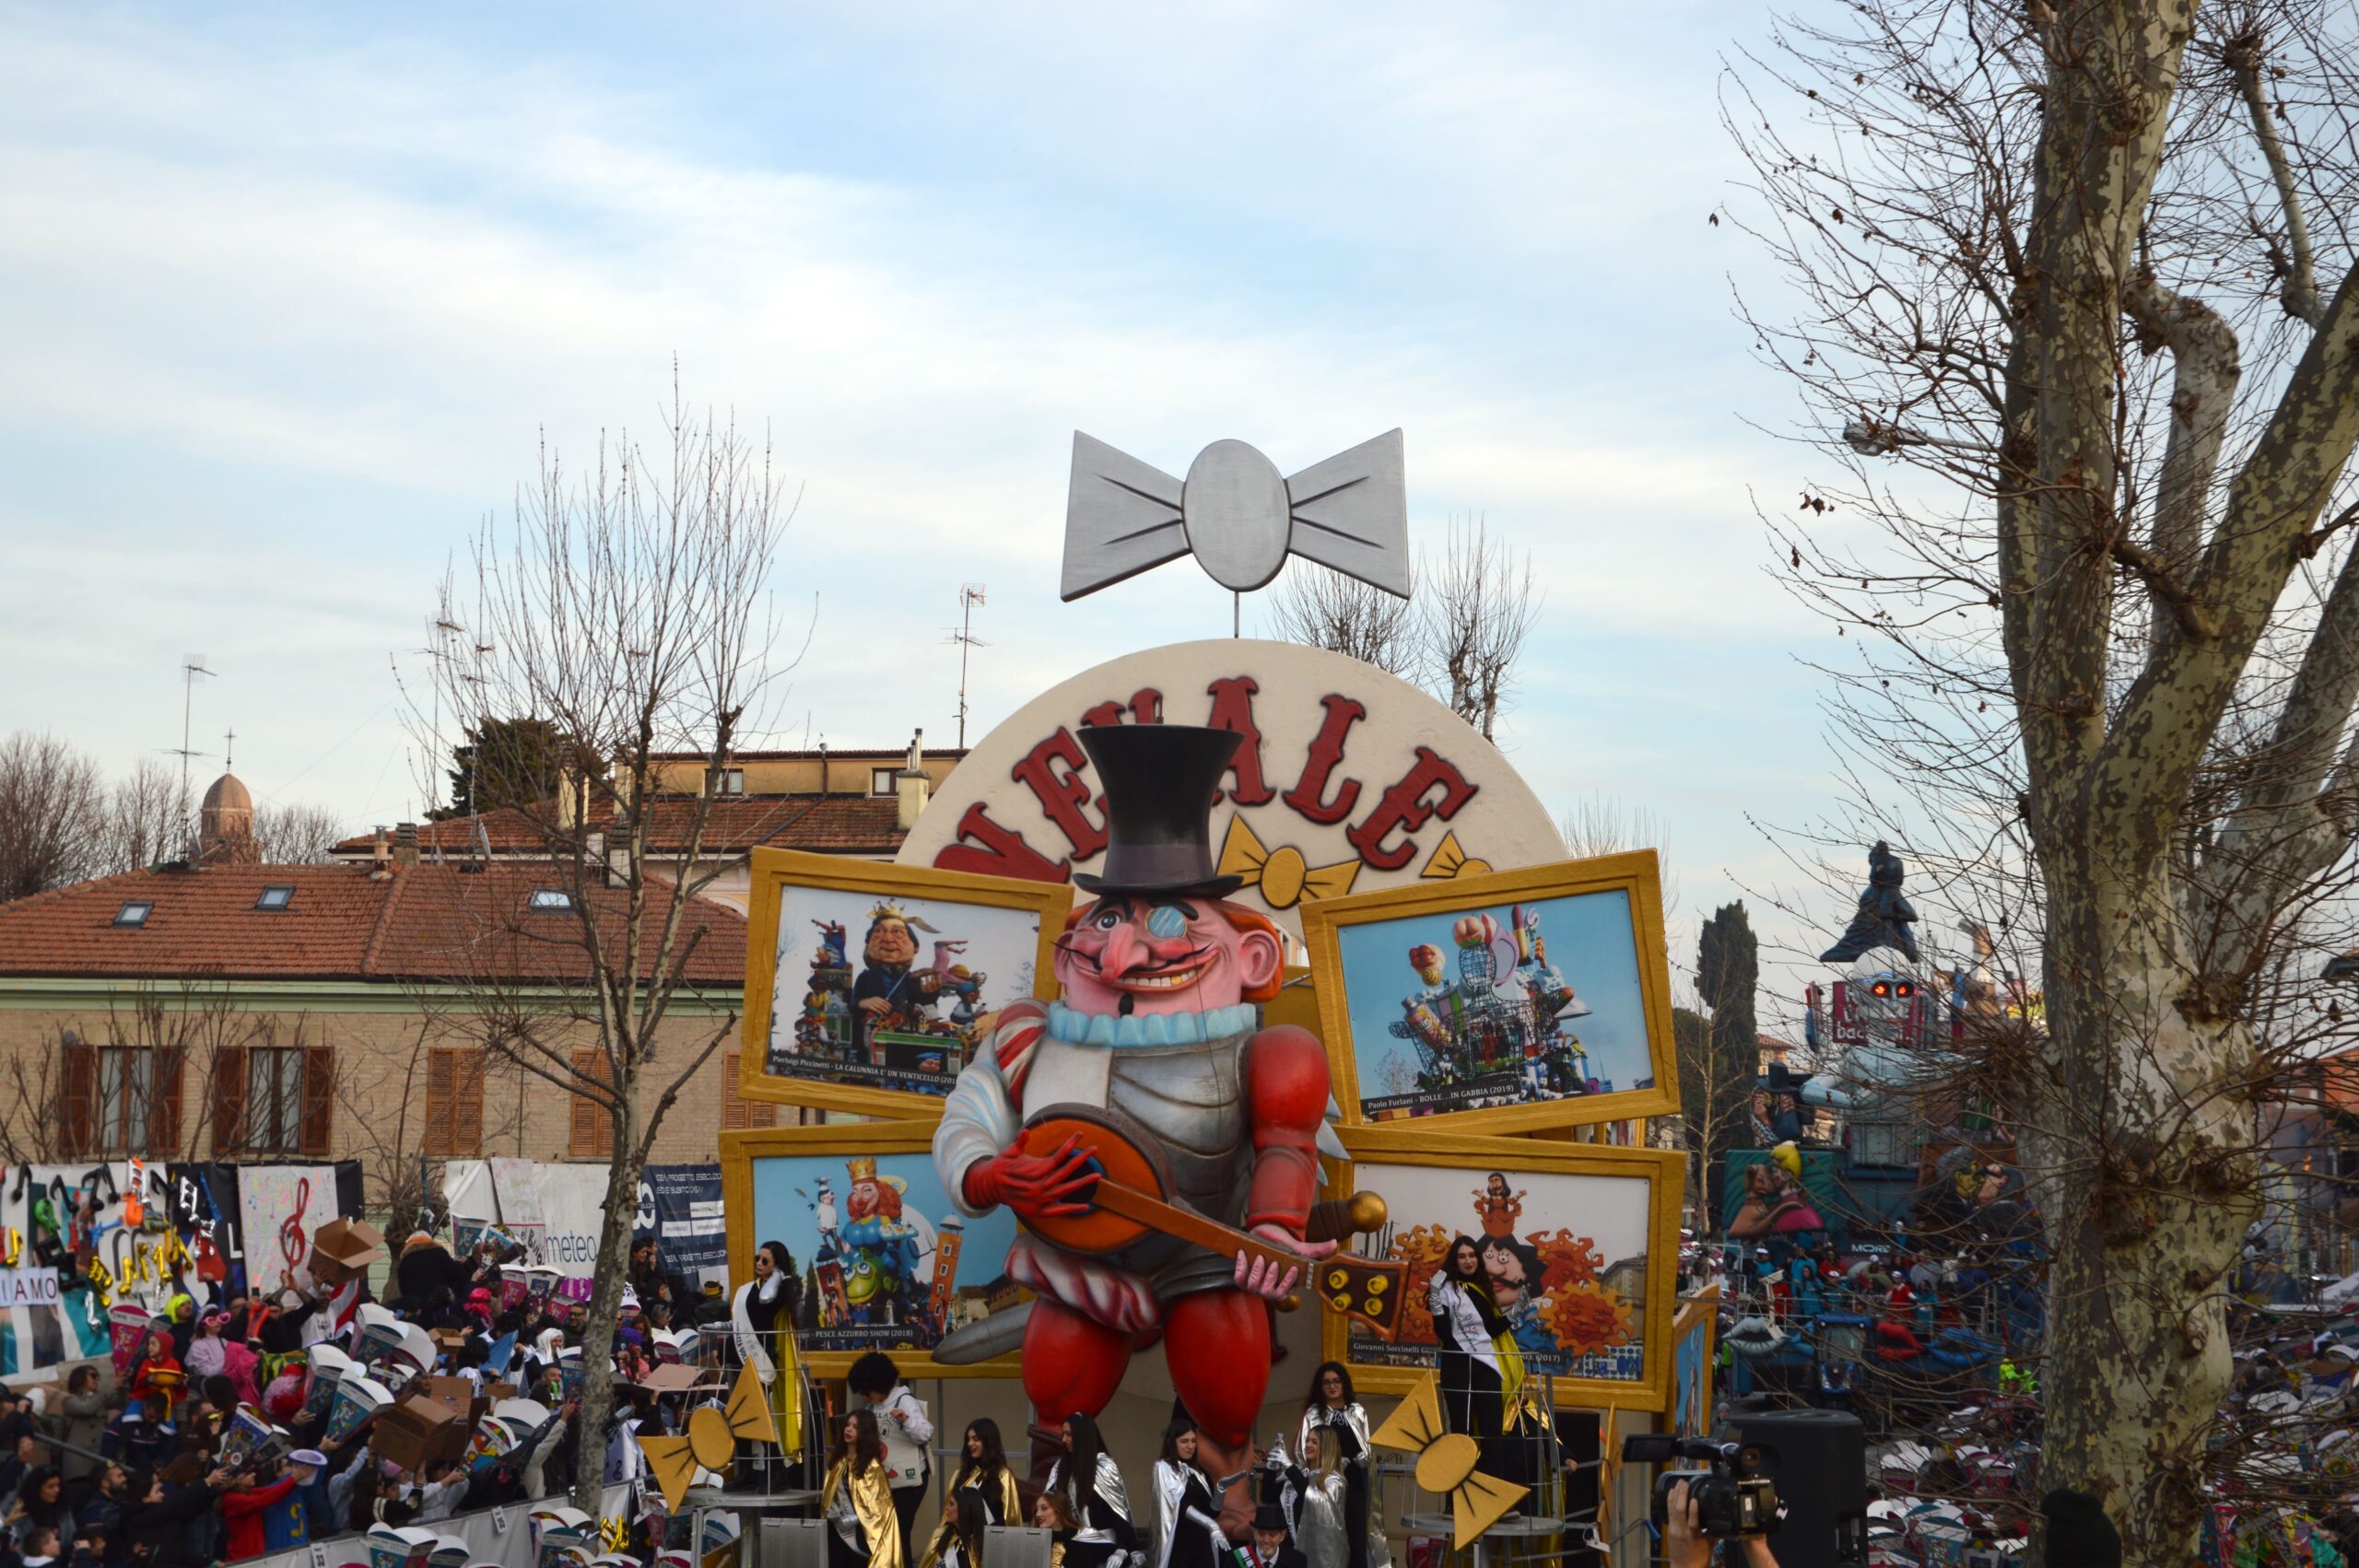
289 293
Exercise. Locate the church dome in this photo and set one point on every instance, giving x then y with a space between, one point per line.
229 793
225 825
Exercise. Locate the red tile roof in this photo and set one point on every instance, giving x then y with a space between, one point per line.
828 824
419 923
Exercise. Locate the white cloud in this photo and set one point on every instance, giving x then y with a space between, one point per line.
371 269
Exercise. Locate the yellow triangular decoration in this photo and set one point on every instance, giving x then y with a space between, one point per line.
749 1409
1416 1422
1330 882
1241 851
1478 1504
669 1461
1450 860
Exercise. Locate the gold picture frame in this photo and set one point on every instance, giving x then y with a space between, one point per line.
1635 993
1383 1369
759 1170
1690 1412
777 874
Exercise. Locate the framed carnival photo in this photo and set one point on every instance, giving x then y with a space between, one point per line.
867 985
1503 1003
881 1259
1526 1260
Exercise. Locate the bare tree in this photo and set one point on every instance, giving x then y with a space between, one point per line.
1479 605
147 818
2056 262
51 808
1321 608
627 607
1599 823
295 835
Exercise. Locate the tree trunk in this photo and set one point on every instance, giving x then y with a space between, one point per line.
2150 1162
624 1166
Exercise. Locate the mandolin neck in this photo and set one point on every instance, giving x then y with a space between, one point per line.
1174 1221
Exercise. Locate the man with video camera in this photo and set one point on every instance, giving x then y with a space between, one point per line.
1686 1545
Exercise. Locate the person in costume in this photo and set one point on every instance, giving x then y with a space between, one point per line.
1468 1333
1053 1514
1187 1515
1270 1546
960 1542
1158 1024
761 1323
857 1500
888 987
1085 1476
1333 1410
1497 1208
982 1470
1317 1500
158 1373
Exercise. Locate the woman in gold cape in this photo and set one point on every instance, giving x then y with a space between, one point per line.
858 1501
983 1467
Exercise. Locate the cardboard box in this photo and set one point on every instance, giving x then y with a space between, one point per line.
417 1429
671 1378
343 1247
457 1393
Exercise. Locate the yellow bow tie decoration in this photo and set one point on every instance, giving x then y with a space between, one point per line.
1280 875
1446 1462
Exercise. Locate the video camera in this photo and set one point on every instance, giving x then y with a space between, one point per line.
1732 1497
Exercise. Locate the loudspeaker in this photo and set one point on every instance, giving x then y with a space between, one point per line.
1015 1546
1819 1460
793 1543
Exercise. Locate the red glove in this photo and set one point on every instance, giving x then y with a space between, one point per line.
1034 1185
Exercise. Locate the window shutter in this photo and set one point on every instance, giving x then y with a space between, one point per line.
737 1112
594 1127
319 1098
455 1102
164 1104
467 1084
229 1100
78 1092
733 1105
441 1069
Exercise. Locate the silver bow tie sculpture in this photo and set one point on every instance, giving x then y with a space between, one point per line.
1236 516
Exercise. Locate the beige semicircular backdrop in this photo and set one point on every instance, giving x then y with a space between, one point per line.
1355 779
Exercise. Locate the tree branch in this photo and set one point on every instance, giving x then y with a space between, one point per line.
2301 292
2174 707
2204 371
2172 595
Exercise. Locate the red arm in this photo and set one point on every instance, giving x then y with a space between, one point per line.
1285 1093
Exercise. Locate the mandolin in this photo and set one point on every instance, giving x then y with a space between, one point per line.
1130 1201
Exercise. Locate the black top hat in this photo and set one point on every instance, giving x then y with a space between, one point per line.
1268 1515
1160 781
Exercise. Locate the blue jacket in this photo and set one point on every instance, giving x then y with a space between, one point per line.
295 1519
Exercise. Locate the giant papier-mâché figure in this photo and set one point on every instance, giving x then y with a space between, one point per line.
1158 1037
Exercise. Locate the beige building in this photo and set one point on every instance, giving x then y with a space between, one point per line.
224 1009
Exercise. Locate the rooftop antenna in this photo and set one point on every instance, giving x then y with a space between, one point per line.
192 670
446 632
963 634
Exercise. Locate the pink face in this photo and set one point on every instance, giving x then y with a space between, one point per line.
1166 954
